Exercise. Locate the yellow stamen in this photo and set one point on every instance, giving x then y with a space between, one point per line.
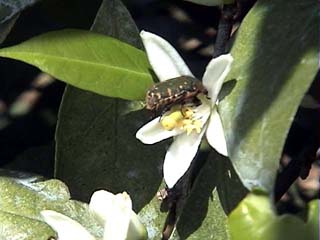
181 119
187 112
190 125
170 121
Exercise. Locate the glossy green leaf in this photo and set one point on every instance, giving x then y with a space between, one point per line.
254 219
275 61
96 146
22 200
89 61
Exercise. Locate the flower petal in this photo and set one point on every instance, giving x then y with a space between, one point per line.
117 223
164 59
215 133
136 229
65 227
153 132
202 112
100 203
216 71
114 211
180 155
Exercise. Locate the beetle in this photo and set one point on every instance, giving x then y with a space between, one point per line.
163 95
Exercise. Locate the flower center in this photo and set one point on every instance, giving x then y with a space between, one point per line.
183 119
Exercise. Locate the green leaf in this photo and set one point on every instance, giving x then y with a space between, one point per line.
215 193
27 229
255 219
275 61
211 2
96 146
100 142
89 61
22 200
208 223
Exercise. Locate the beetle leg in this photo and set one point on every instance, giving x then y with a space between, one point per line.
166 109
196 101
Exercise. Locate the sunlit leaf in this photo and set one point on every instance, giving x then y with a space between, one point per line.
88 61
22 200
254 219
276 59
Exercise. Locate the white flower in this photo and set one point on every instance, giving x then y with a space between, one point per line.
204 119
114 212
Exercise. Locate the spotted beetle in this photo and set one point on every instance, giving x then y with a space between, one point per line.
163 95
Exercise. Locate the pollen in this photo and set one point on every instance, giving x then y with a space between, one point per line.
187 112
172 120
190 125
182 119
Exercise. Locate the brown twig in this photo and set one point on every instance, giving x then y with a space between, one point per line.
224 29
297 167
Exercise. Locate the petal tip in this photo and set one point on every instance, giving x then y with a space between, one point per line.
145 35
139 136
169 183
227 57
46 213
